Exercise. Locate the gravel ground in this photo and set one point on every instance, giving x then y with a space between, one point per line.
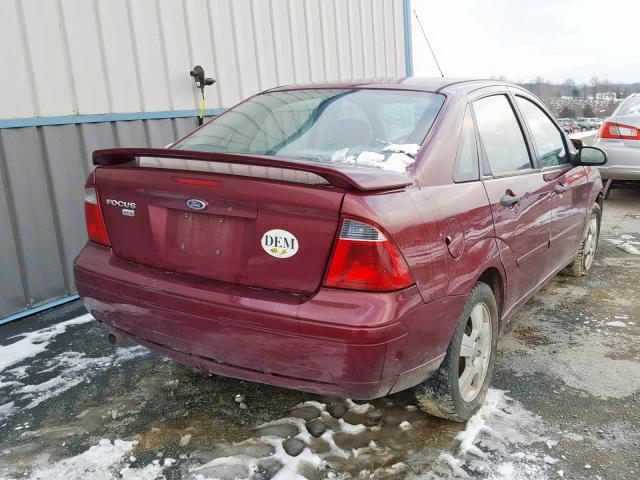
565 401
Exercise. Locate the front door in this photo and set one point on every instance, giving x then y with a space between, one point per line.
568 184
518 194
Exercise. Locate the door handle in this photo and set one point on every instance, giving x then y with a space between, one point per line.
509 200
560 188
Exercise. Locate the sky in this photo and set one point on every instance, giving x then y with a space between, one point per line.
524 39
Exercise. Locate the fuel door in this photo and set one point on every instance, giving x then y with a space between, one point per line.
454 238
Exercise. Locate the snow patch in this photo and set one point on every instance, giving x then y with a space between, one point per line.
371 159
292 465
626 243
617 324
396 162
36 342
498 443
6 410
75 368
493 445
358 407
627 247
342 157
395 157
105 461
351 428
69 369
406 148
4 384
244 458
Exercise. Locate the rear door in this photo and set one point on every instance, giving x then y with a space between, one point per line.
518 194
568 184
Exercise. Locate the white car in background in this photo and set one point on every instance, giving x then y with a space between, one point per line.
619 137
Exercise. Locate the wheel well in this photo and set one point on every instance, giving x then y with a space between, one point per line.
600 200
493 278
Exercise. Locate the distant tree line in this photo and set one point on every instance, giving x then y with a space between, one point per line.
569 88
570 112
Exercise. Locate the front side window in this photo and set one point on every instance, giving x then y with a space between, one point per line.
502 139
546 136
362 127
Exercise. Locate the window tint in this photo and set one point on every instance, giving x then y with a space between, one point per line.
466 167
546 136
502 139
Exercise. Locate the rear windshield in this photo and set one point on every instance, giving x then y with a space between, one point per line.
370 128
630 107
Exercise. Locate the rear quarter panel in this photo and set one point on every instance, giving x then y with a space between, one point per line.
411 223
465 220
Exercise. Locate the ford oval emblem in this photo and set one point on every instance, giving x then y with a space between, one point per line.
196 204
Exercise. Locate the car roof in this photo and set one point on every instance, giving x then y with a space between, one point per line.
425 84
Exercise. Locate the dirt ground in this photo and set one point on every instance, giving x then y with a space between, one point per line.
565 401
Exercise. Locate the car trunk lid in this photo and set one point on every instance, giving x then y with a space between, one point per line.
226 219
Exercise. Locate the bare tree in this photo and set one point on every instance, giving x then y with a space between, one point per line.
594 84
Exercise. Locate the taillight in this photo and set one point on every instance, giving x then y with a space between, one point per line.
619 131
96 230
364 259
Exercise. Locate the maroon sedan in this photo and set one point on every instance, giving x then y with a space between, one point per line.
349 239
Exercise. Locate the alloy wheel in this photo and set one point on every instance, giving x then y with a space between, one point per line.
475 352
591 242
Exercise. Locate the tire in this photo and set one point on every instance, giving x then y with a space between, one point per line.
441 395
583 261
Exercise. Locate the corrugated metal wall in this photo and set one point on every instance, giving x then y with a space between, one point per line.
78 57
75 71
42 173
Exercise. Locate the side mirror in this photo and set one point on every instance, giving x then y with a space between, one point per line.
591 156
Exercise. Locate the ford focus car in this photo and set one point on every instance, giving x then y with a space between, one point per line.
353 239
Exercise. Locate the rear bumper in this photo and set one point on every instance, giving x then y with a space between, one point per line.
623 162
350 344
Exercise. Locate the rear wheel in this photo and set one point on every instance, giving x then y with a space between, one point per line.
457 390
583 261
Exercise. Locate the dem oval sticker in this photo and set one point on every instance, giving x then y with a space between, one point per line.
279 243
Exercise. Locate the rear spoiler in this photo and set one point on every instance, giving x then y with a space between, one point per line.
341 176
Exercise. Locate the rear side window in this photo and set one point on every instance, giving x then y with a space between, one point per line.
502 139
466 166
546 136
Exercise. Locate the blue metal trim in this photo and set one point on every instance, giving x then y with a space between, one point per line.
408 44
103 117
32 311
